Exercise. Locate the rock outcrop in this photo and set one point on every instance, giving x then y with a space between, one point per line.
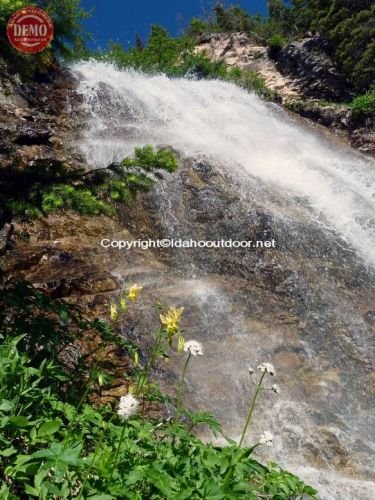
304 77
245 52
309 62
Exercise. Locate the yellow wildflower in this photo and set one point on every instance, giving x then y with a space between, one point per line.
114 313
134 291
172 319
123 304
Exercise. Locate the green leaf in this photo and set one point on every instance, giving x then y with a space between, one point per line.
31 491
101 497
19 421
6 405
8 452
49 428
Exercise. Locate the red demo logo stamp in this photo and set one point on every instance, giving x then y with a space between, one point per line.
30 30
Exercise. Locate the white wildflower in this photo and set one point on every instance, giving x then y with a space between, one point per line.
251 370
266 438
276 389
128 407
193 347
267 368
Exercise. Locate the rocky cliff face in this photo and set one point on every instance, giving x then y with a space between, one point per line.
303 75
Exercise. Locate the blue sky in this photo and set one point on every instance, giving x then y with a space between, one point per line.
119 20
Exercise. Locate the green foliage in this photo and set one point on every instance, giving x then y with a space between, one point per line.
363 106
22 209
196 27
67 16
148 159
55 444
183 62
232 19
251 81
275 44
350 28
161 54
94 193
174 57
82 201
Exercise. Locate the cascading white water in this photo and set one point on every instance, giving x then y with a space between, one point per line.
255 140
129 109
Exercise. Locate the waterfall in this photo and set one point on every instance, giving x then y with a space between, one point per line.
226 122
321 195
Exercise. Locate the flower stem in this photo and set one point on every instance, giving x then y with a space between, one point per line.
251 409
98 447
118 450
181 388
149 365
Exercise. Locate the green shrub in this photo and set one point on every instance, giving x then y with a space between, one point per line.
55 444
65 197
25 210
91 193
232 19
196 27
275 43
148 159
363 106
251 81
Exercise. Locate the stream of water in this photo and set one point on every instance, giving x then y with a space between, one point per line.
319 195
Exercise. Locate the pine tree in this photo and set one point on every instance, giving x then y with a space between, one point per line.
350 28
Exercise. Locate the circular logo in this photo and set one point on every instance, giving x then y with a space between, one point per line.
30 30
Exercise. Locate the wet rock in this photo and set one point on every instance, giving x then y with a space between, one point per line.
370 317
204 169
332 116
5 148
364 140
32 135
5 237
327 450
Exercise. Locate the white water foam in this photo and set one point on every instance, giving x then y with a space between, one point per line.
130 109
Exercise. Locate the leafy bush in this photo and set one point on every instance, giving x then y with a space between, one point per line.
54 443
251 81
22 209
90 193
66 197
148 159
196 27
232 19
275 44
161 54
363 106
